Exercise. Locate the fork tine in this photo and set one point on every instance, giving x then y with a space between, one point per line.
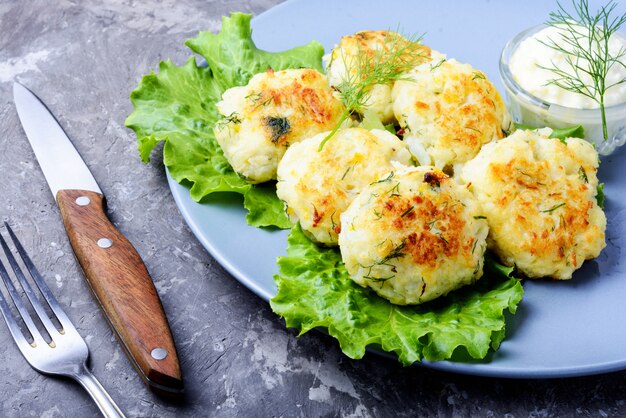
14 328
34 301
40 282
34 332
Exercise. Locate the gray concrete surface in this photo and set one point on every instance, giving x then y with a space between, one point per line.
83 58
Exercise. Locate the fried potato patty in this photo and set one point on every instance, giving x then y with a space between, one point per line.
539 197
357 56
318 185
274 110
413 235
448 110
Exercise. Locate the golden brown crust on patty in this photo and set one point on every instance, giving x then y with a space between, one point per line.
318 185
431 224
413 235
448 111
539 199
276 109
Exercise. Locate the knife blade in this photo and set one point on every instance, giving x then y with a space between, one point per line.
114 270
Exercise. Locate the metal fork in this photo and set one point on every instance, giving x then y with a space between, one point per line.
67 353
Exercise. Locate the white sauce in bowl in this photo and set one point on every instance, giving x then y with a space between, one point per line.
529 61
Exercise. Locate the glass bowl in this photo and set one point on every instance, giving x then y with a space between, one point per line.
528 109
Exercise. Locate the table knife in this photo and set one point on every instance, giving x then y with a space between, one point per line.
114 270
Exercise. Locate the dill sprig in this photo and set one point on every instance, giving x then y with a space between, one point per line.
553 208
585 42
387 64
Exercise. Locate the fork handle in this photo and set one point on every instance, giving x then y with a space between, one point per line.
100 396
121 283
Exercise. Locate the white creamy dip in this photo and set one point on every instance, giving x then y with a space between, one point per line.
532 54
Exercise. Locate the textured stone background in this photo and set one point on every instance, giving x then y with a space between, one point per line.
83 58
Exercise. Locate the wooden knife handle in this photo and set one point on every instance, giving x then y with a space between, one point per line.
121 283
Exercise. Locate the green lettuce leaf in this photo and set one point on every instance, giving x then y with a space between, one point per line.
264 208
234 58
600 195
576 131
314 290
371 121
572 132
177 106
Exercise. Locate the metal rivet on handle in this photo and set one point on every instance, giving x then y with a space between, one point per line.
158 353
104 243
82 201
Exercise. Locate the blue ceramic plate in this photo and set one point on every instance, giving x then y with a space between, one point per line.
561 328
